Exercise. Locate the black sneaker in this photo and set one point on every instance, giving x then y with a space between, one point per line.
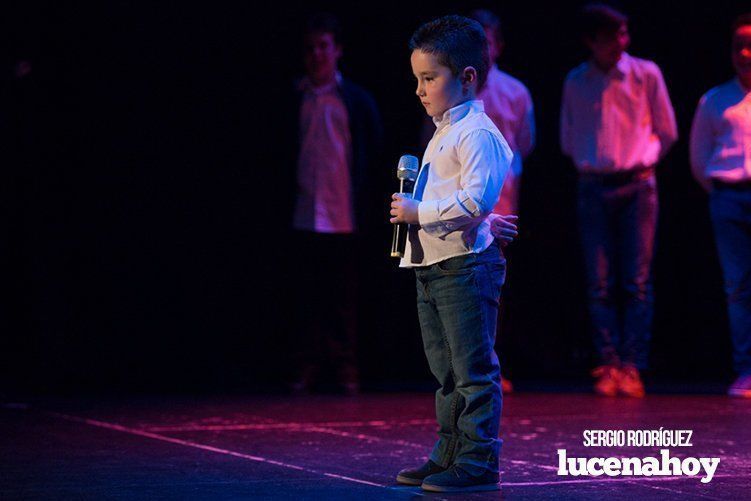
456 479
415 476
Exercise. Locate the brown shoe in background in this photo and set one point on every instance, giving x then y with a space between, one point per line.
630 383
608 377
506 386
741 387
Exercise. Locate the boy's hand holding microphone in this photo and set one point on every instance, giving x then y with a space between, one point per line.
403 209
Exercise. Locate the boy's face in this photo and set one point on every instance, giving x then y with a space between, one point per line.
742 52
438 89
322 55
607 48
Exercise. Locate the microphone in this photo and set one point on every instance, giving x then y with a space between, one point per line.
406 171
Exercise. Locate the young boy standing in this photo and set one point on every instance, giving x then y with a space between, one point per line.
457 262
616 123
721 163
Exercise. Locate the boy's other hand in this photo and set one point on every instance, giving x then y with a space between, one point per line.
403 209
504 228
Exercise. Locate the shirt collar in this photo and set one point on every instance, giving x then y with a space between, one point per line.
453 115
620 69
623 65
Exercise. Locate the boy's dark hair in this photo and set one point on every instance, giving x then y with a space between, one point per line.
323 23
489 21
457 41
742 20
597 18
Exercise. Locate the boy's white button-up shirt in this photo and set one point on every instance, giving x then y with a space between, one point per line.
619 120
458 185
721 134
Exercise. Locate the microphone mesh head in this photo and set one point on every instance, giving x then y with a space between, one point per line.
408 167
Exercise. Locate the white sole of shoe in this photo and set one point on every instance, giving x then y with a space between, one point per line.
407 481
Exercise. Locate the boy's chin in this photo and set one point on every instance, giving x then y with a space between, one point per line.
434 114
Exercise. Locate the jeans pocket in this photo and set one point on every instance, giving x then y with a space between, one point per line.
459 265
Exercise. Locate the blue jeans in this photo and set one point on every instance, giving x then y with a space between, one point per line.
457 303
731 218
617 229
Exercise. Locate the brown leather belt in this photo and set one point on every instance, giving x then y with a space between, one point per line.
618 178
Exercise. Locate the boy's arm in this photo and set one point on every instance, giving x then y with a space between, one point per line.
663 116
485 160
701 144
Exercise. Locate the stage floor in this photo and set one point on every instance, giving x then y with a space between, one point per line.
329 447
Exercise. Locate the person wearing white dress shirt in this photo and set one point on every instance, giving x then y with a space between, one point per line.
617 122
721 163
458 265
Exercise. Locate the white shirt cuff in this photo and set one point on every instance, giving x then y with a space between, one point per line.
430 222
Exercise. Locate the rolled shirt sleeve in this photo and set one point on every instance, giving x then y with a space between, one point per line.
485 159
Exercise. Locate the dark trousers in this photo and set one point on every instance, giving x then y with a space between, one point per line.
617 229
325 310
731 218
457 302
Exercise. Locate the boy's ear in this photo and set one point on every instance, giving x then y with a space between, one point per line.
469 75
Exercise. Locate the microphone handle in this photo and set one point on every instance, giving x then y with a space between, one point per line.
399 238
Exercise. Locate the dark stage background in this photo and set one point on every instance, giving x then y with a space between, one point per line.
142 242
